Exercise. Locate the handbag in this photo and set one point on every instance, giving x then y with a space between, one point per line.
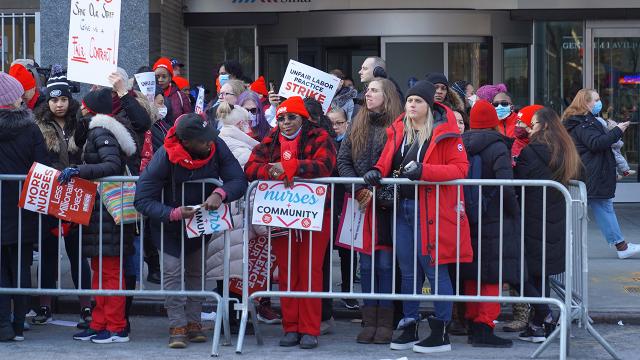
386 197
118 198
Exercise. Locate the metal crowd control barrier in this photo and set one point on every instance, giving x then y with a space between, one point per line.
222 301
564 305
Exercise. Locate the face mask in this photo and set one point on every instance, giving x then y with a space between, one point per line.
292 136
597 107
252 119
472 99
503 111
162 111
340 137
521 133
223 79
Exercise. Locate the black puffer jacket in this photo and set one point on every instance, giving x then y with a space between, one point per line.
496 164
21 144
594 146
60 142
533 163
107 148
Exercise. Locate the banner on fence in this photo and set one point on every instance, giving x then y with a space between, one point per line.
258 266
306 81
206 222
42 193
94 34
298 207
147 84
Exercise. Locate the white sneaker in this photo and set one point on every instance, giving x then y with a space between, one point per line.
632 249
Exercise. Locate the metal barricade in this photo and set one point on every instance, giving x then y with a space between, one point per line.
564 305
198 291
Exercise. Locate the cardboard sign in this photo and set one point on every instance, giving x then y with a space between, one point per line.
351 228
147 84
258 266
300 207
42 193
306 81
200 101
209 221
94 35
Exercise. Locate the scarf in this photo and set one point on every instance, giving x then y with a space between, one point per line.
289 154
180 156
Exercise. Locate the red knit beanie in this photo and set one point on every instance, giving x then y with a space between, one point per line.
483 116
294 105
181 82
259 86
526 113
23 75
163 62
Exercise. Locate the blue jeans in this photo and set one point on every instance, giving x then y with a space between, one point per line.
605 217
382 279
422 264
132 262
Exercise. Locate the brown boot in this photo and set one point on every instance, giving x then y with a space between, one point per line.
195 333
178 338
369 319
520 318
384 330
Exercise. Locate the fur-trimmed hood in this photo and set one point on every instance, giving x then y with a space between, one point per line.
13 121
45 120
127 144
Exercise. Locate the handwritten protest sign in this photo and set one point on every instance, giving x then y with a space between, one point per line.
258 266
300 207
200 101
306 81
147 84
94 34
209 221
42 193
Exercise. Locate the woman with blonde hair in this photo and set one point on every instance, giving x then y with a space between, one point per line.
593 143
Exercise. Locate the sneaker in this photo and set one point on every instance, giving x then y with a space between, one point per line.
268 315
42 317
308 342
178 338
108 337
327 326
629 173
290 339
632 249
18 329
408 338
534 334
195 333
85 318
85 335
351 304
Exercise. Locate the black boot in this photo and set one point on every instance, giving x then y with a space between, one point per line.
483 336
407 339
438 341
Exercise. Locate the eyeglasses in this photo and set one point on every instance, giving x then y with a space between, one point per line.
339 123
534 123
225 94
290 117
254 111
503 103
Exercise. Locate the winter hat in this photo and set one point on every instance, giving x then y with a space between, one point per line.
163 62
483 116
425 89
437 78
57 85
24 76
460 87
181 82
293 105
10 89
526 113
99 101
488 92
259 86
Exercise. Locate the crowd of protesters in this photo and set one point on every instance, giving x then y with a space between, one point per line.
438 131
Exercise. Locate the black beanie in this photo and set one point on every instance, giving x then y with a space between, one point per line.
58 85
99 101
437 78
424 89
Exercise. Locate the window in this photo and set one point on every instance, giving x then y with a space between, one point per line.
18 38
515 72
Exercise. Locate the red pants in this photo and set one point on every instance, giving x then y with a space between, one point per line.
481 312
301 315
109 310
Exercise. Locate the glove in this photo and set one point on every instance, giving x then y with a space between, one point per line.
67 174
414 174
372 177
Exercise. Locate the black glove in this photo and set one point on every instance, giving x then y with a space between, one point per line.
414 174
372 177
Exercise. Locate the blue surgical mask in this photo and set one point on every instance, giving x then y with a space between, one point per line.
223 79
503 111
252 119
291 137
597 107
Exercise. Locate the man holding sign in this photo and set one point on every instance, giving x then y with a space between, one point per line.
299 148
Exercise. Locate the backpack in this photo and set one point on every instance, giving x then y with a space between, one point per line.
471 192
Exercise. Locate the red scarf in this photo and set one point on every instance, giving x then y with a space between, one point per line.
167 91
289 155
179 155
32 103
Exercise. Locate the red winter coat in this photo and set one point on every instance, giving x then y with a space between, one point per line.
507 126
445 160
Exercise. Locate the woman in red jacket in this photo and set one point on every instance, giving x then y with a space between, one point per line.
424 144
297 147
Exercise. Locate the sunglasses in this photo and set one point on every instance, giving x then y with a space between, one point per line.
290 117
254 111
503 103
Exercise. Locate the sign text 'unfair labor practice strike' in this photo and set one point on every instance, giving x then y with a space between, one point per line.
308 82
298 207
